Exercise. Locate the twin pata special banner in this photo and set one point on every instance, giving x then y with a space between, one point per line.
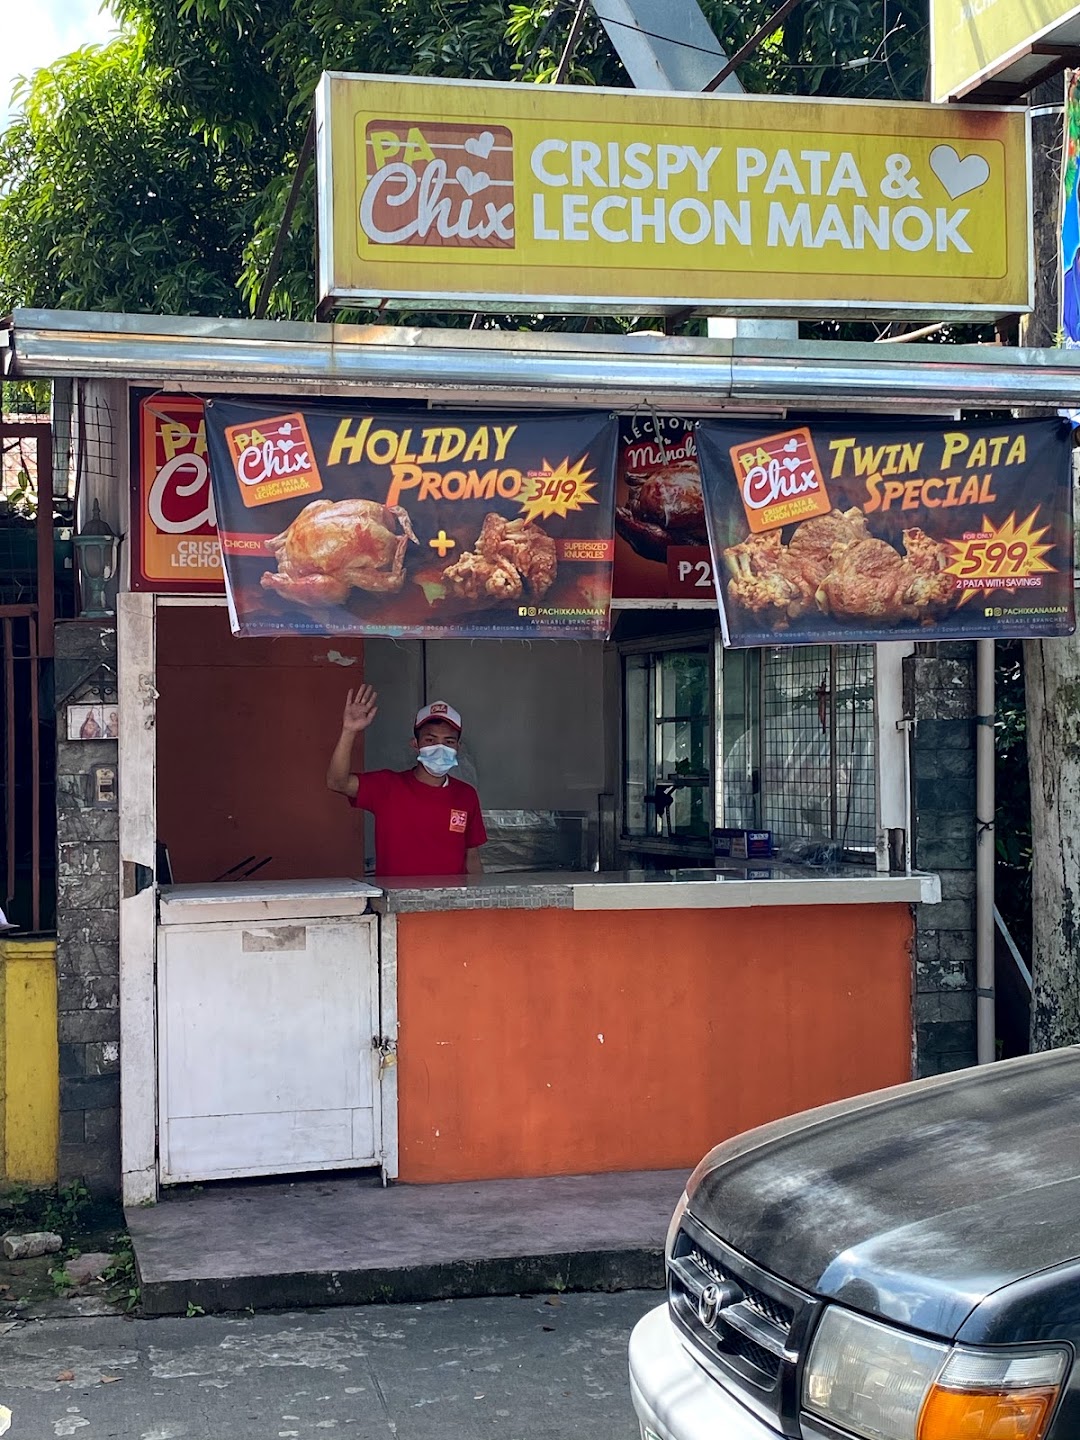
340 520
831 532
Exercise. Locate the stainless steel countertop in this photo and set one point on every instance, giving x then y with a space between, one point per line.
255 900
734 887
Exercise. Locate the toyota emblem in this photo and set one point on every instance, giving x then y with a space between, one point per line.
708 1305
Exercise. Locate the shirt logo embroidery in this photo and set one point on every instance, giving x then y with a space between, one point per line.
458 821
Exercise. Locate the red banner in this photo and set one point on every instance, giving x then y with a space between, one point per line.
174 523
662 543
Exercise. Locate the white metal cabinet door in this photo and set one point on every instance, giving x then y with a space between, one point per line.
266 1059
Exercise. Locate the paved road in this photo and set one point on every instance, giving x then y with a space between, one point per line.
501 1369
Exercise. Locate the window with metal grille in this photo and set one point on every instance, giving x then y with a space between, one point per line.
798 745
667 739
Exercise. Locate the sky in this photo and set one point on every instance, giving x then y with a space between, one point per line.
34 32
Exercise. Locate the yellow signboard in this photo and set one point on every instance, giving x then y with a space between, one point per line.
972 40
454 195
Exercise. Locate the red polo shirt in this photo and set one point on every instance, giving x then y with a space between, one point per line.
420 829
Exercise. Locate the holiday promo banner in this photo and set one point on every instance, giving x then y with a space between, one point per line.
833 531
344 520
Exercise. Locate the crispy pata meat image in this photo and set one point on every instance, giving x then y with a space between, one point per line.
762 577
768 575
834 564
928 558
871 581
816 543
868 582
334 546
510 555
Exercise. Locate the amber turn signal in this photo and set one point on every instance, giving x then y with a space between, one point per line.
988 1415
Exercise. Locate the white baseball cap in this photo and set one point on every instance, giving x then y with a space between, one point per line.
438 710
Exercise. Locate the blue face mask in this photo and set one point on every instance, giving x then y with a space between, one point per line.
438 759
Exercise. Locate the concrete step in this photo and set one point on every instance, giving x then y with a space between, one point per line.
347 1240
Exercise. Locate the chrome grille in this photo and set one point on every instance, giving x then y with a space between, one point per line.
777 1314
744 1325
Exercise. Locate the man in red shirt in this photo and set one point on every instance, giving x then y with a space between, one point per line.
426 822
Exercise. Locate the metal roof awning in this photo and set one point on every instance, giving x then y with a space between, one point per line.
456 366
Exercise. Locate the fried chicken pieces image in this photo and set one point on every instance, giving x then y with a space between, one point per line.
335 546
834 565
509 555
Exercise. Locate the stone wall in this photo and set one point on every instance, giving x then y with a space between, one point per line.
939 685
87 924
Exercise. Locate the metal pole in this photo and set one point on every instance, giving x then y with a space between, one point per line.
986 1046
46 579
571 45
9 757
762 33
33 679
303 162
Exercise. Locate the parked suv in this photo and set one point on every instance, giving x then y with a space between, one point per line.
902 1266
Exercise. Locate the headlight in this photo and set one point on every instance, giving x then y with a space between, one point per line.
673 1228
882 1384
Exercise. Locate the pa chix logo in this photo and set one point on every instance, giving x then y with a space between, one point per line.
273 459
438 184
780 479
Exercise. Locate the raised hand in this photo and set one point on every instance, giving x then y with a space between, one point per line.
361 708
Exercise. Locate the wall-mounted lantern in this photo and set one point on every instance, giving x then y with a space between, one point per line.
95 547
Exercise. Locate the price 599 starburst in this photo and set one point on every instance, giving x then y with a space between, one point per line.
1009 550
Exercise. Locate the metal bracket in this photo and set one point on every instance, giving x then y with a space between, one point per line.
136 878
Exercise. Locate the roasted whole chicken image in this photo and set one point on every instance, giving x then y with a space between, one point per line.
835 566
664 508
510 556
334 546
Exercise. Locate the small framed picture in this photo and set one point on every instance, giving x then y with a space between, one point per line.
93 722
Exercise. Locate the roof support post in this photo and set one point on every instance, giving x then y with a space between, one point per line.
665 44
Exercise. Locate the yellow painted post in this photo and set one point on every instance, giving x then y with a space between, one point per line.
29 1062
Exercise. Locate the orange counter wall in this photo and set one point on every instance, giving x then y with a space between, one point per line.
565 1042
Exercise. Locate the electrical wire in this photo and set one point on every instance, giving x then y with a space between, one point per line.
859 64
653 35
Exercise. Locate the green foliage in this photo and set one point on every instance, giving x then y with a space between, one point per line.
151 174
61 1281
122 1278
66 1207
25 397
108 200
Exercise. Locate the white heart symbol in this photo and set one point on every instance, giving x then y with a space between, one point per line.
791 464
791 445
481 144
956 175
472 180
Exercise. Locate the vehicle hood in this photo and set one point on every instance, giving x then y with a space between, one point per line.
912 1204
